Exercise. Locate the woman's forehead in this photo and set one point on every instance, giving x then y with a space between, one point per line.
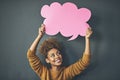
52 51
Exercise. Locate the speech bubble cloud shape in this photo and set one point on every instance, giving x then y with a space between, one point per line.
66 19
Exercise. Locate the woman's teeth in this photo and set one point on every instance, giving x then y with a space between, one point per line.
57 61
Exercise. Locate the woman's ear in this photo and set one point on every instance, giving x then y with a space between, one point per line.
47 60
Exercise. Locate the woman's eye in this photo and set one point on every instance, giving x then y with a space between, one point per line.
52 55
58 53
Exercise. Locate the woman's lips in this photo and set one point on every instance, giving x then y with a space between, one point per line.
57 60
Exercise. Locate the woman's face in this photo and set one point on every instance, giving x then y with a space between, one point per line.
54 57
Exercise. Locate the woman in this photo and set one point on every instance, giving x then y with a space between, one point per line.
51 50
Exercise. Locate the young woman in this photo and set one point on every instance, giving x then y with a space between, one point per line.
51 50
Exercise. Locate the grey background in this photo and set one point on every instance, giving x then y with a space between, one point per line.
19 23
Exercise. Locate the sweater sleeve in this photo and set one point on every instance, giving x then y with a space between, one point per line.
35 62
77 67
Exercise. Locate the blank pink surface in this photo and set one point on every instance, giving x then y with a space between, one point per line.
66 19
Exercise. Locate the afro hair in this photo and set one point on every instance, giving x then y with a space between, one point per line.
47 45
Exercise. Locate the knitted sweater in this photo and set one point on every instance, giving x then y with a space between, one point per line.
65 73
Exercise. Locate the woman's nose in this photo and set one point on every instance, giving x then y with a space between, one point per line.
56 56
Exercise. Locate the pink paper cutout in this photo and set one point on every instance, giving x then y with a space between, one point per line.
66 19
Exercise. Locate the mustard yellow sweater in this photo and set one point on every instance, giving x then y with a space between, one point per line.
65 73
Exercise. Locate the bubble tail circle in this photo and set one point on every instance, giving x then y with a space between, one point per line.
73 37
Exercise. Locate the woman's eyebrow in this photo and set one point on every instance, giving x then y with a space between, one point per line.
51 53
57 51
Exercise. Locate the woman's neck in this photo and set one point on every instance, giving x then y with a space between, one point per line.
55 68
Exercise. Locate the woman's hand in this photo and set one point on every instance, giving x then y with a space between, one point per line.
42 30
36 41
88 32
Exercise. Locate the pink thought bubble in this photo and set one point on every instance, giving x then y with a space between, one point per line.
66 19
